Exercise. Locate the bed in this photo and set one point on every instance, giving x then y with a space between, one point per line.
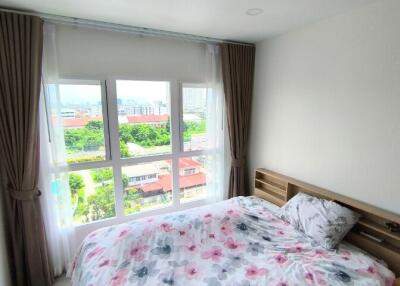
240 242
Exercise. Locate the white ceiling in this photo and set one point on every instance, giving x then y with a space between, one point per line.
225 19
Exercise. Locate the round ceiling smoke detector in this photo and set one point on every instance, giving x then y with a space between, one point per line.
254 11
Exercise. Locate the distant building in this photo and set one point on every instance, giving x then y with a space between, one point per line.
155 120
135 110
95 110
152 180
141 174
78 122
71 123
68 113
194 99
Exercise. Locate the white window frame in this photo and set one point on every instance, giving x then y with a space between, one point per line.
113 157
105 115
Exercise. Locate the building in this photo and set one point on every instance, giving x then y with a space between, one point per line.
155 120
71 123
68 113
154 180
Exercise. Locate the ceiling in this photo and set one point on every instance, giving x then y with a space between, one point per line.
225 19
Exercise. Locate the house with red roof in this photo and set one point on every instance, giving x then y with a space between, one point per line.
155 120
154 179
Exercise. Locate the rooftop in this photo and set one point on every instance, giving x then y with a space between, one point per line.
164 183
148 118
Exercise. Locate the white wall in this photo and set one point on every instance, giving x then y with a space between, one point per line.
326 107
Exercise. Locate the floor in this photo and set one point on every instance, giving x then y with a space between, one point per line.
62 281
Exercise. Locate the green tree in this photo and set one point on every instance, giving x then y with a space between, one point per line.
75 183
82 208
94 125
168 126
102 203
125 181
124 150
73 139
101 175
132 201
125 132
92 140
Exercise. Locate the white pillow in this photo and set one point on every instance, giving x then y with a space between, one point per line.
325 222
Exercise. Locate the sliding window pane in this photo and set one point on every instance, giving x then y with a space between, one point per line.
192 178
144 117
147 186
92 194
81 114
194 104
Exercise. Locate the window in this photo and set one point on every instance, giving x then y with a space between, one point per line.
194 116
152 190
82 116
143 117
132 146
92 194
192 179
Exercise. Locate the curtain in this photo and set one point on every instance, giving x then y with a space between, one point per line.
215 133
238 74
21 41
56 199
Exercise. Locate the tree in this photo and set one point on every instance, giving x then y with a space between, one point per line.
82 208
73 139
92 140
101 175
75 183
123 147
88 138
95 125
125 181
102 203
125 131
132 201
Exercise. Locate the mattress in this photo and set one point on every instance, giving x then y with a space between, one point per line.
239 242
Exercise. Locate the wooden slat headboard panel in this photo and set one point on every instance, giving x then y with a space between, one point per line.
278 189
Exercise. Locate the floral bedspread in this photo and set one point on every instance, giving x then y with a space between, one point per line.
237 242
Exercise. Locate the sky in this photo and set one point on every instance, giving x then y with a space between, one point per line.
143 92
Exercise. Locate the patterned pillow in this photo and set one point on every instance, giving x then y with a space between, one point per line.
325 222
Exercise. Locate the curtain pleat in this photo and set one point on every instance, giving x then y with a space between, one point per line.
21 42
238 75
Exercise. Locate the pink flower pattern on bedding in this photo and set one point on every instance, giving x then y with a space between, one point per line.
237 242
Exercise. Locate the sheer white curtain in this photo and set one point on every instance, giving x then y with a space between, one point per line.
215 161
53 179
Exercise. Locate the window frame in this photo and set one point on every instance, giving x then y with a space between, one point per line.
199 152
113 157
105 114
107 162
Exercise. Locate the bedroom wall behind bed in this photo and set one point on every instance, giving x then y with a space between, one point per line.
326 107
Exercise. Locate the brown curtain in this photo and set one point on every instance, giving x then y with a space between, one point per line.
238 75
21 41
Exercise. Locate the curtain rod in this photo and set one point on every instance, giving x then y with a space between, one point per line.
65 20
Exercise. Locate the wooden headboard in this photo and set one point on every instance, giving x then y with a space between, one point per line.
278 189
